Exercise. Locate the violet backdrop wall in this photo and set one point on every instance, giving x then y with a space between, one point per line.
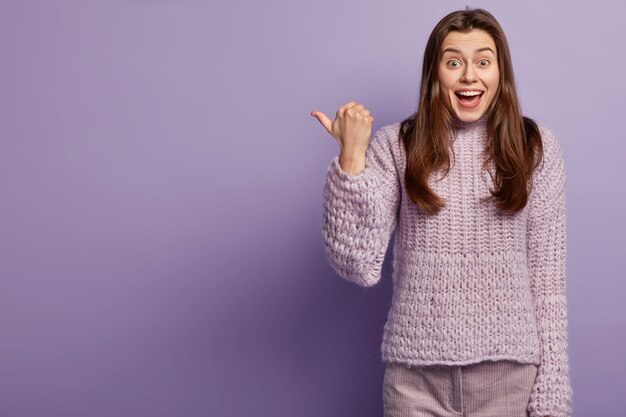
160 198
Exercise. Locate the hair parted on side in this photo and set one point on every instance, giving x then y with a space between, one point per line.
513 140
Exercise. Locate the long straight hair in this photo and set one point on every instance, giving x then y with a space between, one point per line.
513 140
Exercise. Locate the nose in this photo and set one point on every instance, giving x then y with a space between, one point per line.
468 75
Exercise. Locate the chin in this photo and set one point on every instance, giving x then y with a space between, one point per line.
468 118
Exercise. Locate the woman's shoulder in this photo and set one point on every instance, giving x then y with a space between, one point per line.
553 163
388 135
552 149
385 144
547 134
389 130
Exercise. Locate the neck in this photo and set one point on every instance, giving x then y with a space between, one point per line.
479 123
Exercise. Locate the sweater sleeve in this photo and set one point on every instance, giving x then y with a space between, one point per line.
551 393
360 211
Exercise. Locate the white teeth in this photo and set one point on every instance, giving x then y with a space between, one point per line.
469 93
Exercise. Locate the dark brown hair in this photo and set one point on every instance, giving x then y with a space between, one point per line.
513 140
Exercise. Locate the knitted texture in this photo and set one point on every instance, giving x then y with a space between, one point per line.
471 283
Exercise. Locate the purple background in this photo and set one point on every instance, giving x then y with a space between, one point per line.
161 194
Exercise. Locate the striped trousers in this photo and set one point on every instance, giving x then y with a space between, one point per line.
484 389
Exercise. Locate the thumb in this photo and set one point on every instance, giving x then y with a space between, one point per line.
325 121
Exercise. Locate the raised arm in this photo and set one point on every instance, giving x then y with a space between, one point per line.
360 211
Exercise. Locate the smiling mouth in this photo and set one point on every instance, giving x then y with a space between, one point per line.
469 101
468 98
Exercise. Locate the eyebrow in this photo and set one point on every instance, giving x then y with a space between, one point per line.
458 52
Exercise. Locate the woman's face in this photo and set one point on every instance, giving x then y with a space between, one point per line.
469 64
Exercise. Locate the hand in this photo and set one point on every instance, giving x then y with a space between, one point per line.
351 129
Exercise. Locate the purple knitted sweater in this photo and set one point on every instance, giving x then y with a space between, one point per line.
471 283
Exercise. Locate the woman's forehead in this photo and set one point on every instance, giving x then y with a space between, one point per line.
474 39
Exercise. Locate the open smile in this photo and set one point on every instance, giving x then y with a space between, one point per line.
469 99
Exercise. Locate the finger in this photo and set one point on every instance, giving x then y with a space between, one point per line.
325 121
344 107
355 110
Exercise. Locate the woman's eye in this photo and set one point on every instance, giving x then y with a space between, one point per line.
484 62
453 63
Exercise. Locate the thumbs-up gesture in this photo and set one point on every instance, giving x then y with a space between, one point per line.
351 129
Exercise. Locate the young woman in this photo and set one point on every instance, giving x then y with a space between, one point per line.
476 194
